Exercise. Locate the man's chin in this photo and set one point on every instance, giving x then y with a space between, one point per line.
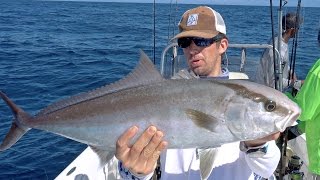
198 71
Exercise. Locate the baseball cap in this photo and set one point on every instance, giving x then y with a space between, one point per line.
202 22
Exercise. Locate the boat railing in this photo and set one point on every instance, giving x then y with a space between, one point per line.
171 62
244 48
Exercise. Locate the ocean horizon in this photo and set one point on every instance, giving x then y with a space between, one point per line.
305 3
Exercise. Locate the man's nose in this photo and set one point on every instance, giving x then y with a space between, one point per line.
193 48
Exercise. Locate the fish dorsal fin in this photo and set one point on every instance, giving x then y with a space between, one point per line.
144 73
202 119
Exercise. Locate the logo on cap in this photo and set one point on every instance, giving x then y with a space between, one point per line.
192 20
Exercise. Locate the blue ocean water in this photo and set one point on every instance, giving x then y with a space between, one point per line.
54 49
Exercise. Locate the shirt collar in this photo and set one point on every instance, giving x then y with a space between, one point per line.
224 75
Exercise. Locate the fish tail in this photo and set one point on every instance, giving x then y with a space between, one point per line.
18 127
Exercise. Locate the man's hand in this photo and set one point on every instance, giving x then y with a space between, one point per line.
142 156
261 141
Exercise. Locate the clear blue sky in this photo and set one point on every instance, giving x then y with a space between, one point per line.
304 3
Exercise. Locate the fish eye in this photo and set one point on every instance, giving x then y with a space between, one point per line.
270 105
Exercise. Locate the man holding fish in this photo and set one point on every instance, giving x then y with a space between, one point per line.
203 40
213 128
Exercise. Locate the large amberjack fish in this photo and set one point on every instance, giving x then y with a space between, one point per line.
191 113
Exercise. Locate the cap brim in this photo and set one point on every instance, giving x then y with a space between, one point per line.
196 33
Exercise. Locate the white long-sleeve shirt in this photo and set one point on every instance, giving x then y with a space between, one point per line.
230 164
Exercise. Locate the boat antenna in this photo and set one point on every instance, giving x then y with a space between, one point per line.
295 42
154 31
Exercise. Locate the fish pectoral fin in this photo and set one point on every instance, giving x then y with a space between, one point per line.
207 160
104 155
202 119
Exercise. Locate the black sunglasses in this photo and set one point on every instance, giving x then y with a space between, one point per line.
201 42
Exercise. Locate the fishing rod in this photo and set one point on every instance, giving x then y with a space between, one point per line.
292 67
295 43
279 85
279 59
154 31
172 20
274 48
283 139
277 62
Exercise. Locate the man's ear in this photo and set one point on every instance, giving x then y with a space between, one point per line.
223 45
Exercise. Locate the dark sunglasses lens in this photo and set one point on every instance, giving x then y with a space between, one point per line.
202 42
184 42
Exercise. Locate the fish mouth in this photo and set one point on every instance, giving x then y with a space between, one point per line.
289 120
